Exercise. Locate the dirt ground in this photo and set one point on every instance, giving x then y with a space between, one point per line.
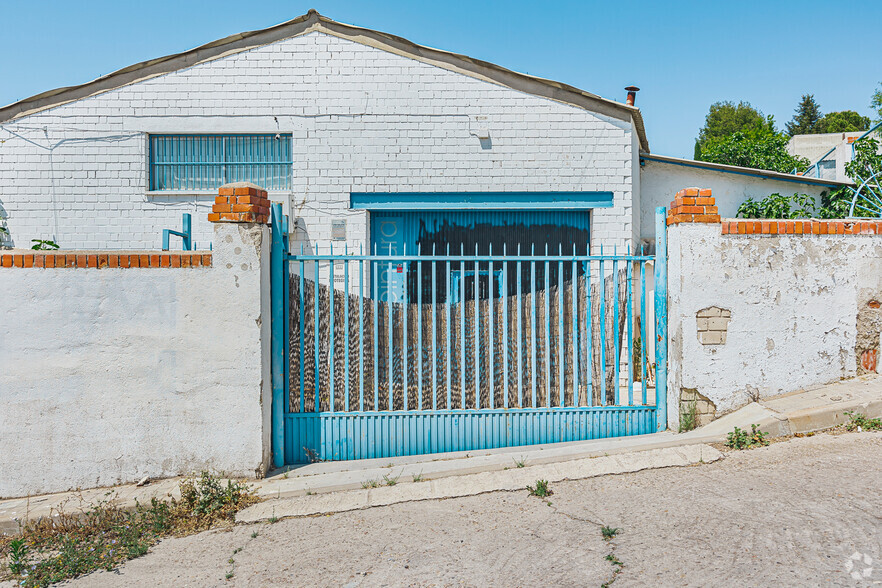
791 514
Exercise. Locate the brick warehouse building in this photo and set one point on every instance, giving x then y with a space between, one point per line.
347 127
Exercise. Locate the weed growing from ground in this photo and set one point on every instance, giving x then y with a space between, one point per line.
689 417
740 439
614 560
391 481
859 422
372 483
67 545
418 477
520 463
609 532
541 489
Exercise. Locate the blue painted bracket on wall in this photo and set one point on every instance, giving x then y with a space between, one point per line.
186 234
480 200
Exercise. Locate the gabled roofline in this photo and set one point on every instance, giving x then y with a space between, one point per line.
313 21
745 171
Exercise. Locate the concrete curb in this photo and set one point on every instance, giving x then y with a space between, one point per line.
472 484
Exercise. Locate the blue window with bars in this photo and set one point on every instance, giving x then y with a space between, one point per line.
205 162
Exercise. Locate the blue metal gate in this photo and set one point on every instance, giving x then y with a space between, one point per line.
390 353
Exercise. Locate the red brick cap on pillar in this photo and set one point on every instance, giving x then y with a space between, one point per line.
693 205
240 202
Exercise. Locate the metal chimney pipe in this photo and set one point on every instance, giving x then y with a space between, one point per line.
632 94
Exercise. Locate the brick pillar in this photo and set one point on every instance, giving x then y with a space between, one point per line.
240 202
693 205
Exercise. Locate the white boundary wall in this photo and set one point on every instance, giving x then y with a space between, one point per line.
109 375
800 307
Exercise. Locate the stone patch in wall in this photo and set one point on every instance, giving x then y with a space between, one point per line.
869 331
705 410
713 323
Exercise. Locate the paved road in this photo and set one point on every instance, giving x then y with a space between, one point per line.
791 514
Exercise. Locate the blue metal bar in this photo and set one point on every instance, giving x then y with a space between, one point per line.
278 331
346 329
617 347
318 404
533 322
547 296
390 360
482 258
505 319
373 269
404 342
434 358
602 292
661 318
286 306
643 318
630 318
477 333
561 356
301 359
589 325
491 333
520 315
419 348
186 235
448 350
462 332
361 305
574 306
331 328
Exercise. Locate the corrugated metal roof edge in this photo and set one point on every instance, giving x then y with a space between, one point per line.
313 21
747 171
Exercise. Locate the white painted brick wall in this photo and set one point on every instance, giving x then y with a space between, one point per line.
362 120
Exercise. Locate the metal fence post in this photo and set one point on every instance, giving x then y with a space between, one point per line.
661 317
278 329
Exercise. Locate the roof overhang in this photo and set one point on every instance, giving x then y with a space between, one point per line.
312 22
744 171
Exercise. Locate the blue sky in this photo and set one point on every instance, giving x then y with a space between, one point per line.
683 55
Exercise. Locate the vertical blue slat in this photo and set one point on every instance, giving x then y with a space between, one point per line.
373 270
346 328
462 328
390 359
533 350
589 326
434 358
602 291
547 329
643 330
448 352
404 337
574 307
302 357
505 340
630 318
561 356
519 365
278 332
477 334
361 305
331 328
419 348
661 318
617 347
317 383
490 333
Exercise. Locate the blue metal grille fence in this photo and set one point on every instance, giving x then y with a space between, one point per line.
417 353
205 162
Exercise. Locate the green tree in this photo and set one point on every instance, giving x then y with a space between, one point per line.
806 117
725 118
759 148
844 121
